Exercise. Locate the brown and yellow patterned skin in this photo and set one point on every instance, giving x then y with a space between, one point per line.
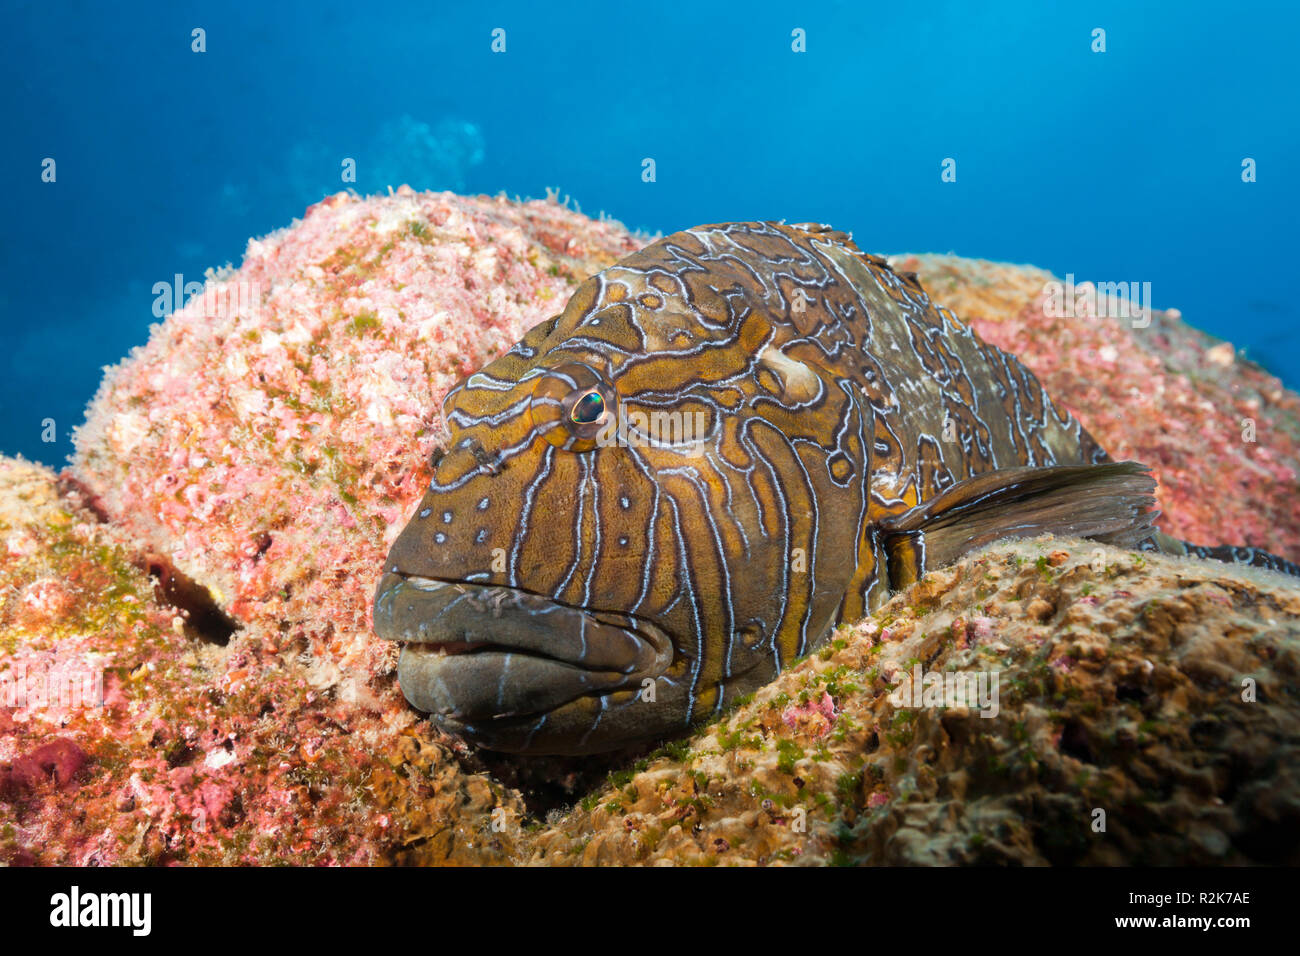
559 593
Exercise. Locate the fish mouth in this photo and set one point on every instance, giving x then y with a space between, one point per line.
479 653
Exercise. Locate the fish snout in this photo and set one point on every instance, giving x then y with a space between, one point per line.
476 653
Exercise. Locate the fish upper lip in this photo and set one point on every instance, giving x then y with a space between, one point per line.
649 634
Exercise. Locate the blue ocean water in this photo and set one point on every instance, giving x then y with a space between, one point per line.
1122 165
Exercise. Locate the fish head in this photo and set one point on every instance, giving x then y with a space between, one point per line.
610 545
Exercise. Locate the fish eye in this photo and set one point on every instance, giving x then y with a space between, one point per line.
570 405
589 408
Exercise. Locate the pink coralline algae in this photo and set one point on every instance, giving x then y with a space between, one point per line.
816 718
58 761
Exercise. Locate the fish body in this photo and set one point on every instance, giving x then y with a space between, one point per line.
725 444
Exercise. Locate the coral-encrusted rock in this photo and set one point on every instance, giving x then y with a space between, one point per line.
126 738
213 553
1157 697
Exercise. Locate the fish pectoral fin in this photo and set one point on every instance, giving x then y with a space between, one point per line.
1113 503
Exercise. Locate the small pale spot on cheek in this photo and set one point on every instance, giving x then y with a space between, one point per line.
624 503
440 537
425 512
482 505
446 517
623 540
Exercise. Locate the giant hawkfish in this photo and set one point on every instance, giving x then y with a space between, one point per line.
725 445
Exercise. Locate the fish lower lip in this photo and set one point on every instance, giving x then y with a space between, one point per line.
483 651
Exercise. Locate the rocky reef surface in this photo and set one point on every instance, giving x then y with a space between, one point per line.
188 674
1145 714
